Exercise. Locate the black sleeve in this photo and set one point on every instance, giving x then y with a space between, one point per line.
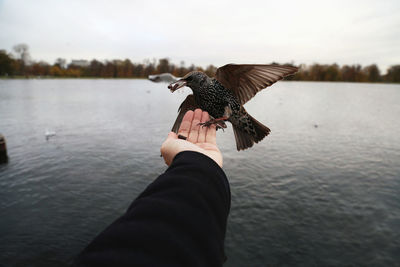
179 220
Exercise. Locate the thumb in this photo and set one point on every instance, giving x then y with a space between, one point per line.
172 135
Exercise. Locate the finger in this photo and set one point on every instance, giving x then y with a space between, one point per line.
194 129
184 129
211 136
203 130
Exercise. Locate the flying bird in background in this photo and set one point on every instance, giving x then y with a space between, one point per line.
163 77
223 97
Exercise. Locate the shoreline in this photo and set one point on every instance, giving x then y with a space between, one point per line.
144 78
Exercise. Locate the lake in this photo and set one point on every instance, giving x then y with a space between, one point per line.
322 190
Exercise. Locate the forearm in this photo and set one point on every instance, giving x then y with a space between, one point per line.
180 219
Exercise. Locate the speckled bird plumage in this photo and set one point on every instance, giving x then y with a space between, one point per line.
223 97
213 97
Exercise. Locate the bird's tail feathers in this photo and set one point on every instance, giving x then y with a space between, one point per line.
245 140
261 130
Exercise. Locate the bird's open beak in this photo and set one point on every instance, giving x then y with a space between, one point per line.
176 85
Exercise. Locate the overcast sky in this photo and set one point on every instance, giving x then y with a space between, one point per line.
206 32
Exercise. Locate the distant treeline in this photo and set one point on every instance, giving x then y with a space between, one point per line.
21 66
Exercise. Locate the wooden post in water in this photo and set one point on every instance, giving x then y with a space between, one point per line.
3 150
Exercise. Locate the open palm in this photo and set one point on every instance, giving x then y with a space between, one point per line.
199 139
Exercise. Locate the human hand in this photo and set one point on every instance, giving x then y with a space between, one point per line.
199 139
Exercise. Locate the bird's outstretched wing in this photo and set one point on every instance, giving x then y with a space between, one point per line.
247 80
188 104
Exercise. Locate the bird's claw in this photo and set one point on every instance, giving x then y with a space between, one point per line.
218 124
205 124
220 127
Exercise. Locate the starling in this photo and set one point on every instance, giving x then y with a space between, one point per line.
223 97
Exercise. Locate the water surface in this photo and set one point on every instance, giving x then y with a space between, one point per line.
322 189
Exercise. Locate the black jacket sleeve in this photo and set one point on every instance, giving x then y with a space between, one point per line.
179 220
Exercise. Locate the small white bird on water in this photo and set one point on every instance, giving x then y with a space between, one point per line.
49 134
